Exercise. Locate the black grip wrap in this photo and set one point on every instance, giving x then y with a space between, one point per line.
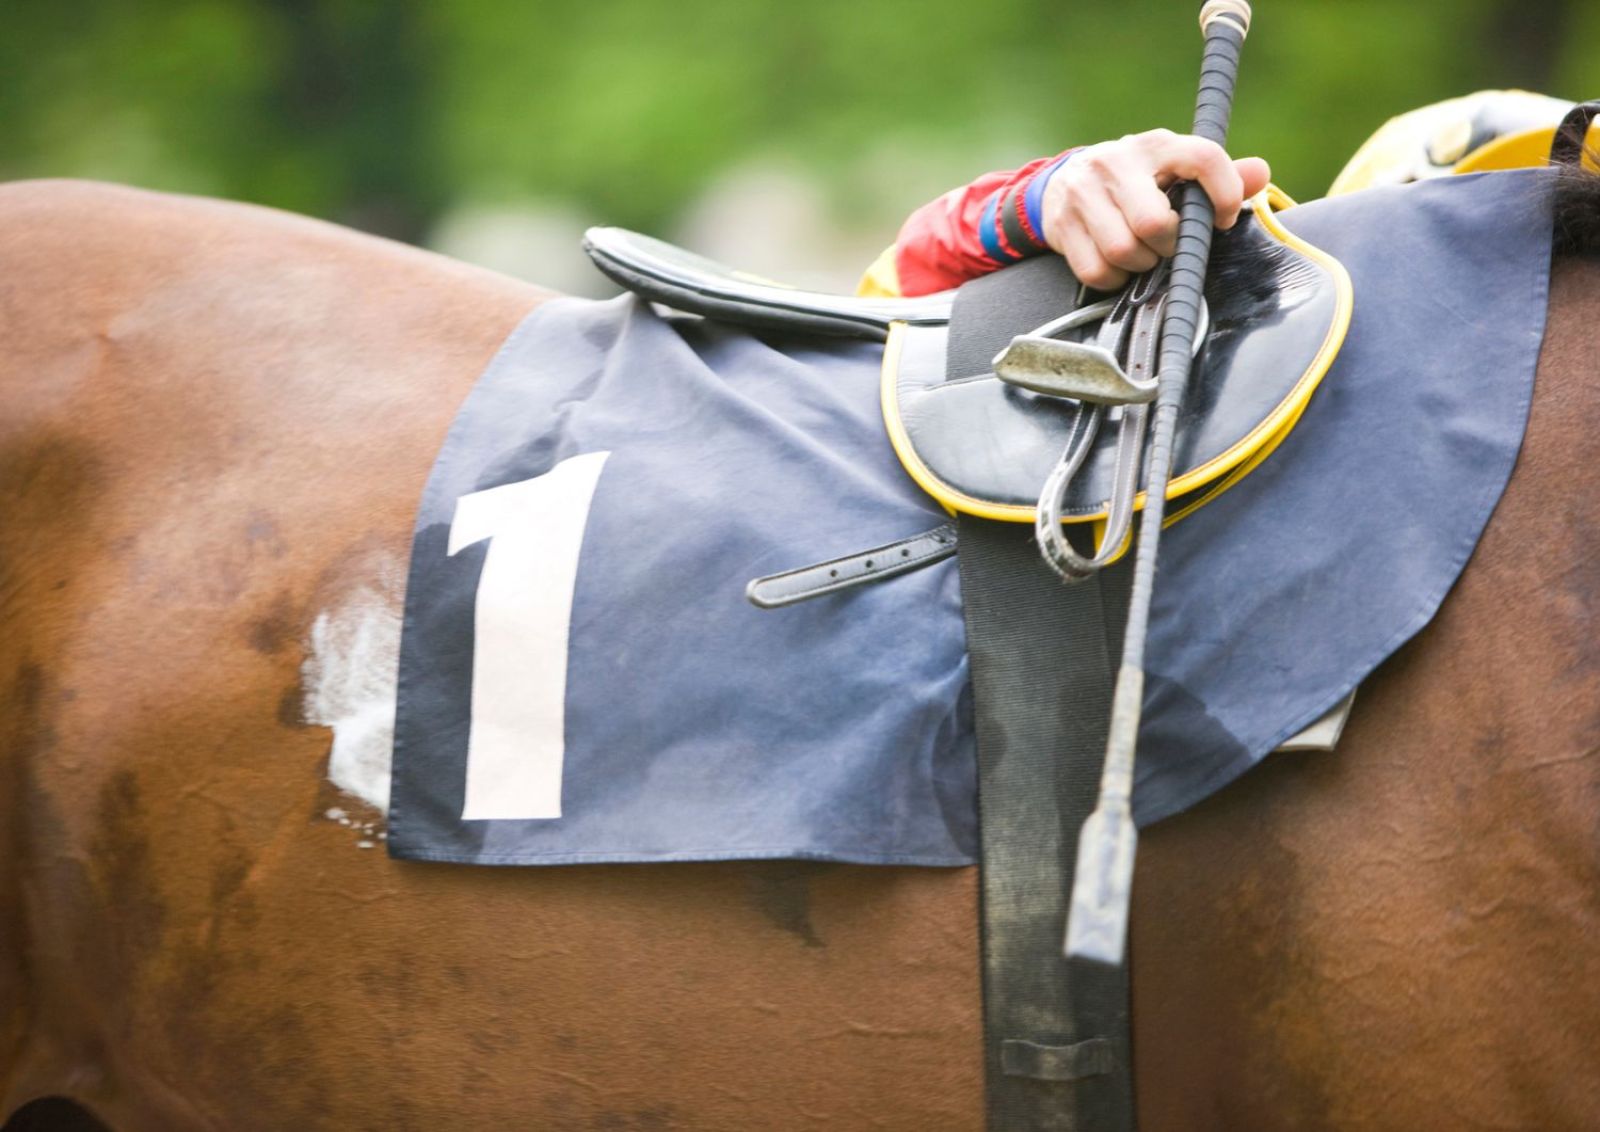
1218 72
1103 874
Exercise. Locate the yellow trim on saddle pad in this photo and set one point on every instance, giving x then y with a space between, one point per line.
1210 478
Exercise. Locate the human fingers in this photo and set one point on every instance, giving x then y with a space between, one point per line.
1155 221
1088 265
1147 210
1104 198
1113 232
1106 210
1068 231
1189 158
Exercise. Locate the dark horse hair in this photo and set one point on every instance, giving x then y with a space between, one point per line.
1576 208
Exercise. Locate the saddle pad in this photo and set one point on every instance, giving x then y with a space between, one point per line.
681 458
582 680
1278 309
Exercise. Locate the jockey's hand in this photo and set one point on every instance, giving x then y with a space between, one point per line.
1106 208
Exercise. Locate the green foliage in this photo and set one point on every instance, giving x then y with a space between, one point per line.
381 114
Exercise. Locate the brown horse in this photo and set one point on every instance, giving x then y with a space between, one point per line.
217 421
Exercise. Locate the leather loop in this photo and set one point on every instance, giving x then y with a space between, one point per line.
1092 1058
1143 338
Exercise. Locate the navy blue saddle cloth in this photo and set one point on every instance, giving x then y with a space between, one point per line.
642 465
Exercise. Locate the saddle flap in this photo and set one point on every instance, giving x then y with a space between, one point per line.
1278 308
670 275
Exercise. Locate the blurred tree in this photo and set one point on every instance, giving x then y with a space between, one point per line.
380 115
1530 35
347 101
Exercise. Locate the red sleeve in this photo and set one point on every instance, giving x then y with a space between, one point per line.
973 230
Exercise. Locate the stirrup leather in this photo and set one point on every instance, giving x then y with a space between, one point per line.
1122 374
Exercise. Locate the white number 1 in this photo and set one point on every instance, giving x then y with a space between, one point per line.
517 741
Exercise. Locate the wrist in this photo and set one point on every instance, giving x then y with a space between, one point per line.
1033 199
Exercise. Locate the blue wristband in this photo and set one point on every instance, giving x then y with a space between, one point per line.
1033 198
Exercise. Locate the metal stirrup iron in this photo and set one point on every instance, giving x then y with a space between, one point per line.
1059 554
1097 924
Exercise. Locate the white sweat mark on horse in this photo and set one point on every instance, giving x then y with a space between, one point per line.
350 679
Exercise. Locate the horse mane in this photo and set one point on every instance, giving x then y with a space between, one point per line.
1577 209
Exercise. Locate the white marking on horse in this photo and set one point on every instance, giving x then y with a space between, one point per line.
349 677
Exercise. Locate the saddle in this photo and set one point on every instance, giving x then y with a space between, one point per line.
990 438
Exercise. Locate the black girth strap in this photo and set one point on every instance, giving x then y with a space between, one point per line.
1057 1048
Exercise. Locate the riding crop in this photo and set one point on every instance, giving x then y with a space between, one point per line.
1097 923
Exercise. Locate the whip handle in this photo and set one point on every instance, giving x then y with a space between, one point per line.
1097 924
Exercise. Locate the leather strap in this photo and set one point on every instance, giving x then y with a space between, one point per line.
1057 1046
1143 338
1057 1063
791 586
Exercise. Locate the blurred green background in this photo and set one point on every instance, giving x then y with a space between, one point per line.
792 137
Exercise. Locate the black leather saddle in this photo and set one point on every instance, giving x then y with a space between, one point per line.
1277 309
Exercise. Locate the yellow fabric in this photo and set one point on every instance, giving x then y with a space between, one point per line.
882 280
1520 151
1433 141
